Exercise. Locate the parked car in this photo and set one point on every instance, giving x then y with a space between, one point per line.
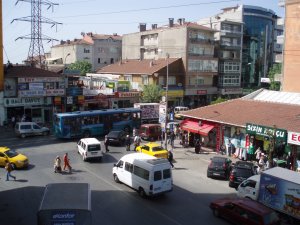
153 149
16 159
219 167
244 211
241 170
24 129
150 132
116 137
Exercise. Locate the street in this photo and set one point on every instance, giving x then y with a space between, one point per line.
112 203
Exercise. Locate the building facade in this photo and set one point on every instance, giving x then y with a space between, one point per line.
189 41
97 49
259 26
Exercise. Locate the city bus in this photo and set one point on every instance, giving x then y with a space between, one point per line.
95 122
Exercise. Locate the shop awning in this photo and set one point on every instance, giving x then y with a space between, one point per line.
193 126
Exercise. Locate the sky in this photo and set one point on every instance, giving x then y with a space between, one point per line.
104 17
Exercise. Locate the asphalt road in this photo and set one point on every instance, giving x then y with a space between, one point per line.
112 203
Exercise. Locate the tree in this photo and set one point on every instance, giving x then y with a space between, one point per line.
218 100
83 66
151 93
275 69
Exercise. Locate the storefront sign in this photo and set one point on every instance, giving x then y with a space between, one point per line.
293 138
201 92
11 102
127 94
265 131
39 79
36 86
225 91
49 92
174 93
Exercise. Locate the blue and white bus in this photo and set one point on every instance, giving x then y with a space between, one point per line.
95 122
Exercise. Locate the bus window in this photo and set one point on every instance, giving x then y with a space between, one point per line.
116 117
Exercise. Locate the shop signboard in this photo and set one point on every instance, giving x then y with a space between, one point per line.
13 102
255 129
36 86
39 79
293 138
38 92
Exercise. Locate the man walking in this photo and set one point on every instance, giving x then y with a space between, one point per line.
170 158
127 143
9 168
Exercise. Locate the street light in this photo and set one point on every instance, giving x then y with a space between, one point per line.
167 88
66 82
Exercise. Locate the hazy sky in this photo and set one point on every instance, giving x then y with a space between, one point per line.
105 17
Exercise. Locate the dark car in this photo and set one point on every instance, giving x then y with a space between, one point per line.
219 167
150 132
241 170
244 211
116 137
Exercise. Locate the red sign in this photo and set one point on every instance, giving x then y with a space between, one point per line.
127 94
201 92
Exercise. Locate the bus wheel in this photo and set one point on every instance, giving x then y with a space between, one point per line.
86 134
142 192
127 129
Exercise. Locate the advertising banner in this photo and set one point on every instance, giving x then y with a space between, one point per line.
255 129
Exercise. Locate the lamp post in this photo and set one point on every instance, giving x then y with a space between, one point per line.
66 82
167 88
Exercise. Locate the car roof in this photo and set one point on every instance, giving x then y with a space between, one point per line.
152 144
254 178
90 140
218 159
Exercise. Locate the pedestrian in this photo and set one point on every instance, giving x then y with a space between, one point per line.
9 168
127 142
197 146
57 164
137 141
106 143
134 132
289 161
172 139
13 121
250 152
170 158
258 153
223 149
67 162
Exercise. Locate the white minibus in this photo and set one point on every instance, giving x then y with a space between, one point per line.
147 174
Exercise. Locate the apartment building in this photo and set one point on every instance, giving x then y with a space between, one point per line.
98 49
229 40
193 43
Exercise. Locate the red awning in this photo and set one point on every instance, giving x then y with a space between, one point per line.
193 126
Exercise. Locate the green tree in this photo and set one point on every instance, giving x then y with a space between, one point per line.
275 69
151 93
83 66
218 100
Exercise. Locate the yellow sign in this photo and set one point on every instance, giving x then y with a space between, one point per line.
173 93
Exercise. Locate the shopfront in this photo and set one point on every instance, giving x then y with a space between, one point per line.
175 96
125 99
294 143
264 137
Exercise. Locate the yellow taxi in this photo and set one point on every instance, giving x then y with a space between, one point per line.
18 160
153 149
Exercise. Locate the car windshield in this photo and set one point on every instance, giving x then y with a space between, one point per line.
241 172
11 153
114 134
270 218
218 163
157 148
95 147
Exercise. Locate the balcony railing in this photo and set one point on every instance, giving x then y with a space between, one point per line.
200 41
199 54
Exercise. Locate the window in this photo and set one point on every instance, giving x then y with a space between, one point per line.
120 164
167 173
172 80
99 60
86 50
157 175
199 80
229 80
140 172
229 67
145 79
161 80
128 77
129 167
94 148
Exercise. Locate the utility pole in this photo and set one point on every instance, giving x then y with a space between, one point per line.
36 49
1 53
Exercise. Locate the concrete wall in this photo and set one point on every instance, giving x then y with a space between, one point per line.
131 46
291 58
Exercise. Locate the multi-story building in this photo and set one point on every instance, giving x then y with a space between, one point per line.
229 51
189 41
258 41
291 46
98 49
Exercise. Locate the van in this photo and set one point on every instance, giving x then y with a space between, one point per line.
65 203
89 148
24 129
150 132
147 174
249 188
178 110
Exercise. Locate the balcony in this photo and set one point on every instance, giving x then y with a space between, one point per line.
191 54
201 41
230 46
230 33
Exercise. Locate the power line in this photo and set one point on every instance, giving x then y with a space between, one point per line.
148 9
5 53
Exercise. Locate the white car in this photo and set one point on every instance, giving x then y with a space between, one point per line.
89 148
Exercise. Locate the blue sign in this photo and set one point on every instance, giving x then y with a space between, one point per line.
171 116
